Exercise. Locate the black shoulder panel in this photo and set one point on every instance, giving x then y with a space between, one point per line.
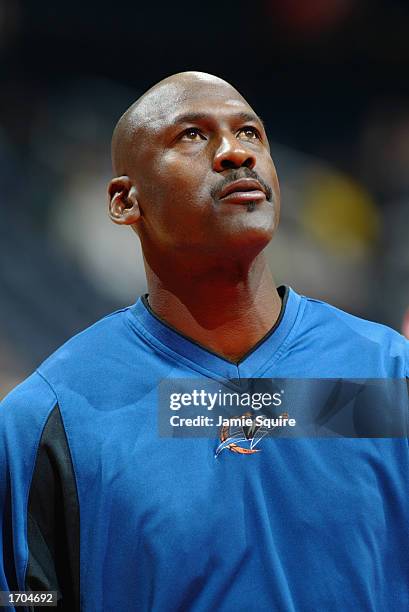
53 529
7 539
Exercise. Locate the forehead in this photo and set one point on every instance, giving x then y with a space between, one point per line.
161 106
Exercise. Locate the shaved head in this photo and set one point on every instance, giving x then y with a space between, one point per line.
175 152
160 100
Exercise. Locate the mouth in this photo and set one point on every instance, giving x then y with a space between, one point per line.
243 191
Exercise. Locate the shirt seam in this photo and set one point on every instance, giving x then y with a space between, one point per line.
176 357
33 460
59 404
138 326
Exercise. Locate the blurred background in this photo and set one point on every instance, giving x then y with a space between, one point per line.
330 79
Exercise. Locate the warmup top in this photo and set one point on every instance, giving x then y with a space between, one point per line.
96 505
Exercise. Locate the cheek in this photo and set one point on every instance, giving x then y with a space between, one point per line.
175 195
181 179
184 170
274 182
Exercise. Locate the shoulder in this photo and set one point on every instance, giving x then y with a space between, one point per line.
33 392
85 355
90 350
23 414
98 336
333 325
331 315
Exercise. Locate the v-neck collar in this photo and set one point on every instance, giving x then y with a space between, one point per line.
197 357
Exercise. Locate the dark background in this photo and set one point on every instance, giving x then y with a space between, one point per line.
330 79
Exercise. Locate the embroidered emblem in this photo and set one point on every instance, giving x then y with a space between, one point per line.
242 434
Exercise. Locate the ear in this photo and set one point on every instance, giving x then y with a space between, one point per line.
123 201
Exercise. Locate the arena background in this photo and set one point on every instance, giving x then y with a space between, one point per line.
329 77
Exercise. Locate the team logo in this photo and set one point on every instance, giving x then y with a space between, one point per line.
242 434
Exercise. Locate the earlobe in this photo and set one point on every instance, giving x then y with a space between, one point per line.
123 201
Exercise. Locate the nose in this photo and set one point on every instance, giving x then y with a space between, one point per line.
232 153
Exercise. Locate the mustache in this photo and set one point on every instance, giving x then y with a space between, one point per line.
236 175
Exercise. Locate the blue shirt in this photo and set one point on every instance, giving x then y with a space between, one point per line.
164 524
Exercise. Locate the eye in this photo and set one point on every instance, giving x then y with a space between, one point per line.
192 134
249 133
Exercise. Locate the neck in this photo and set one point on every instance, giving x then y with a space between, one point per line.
226 307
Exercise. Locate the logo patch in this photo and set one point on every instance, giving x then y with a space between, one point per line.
242 434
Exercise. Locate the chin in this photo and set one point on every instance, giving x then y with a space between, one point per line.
239 232
257 226
247 243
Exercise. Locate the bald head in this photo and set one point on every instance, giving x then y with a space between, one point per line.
158 102
175 152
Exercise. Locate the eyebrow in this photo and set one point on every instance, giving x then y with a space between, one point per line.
192 117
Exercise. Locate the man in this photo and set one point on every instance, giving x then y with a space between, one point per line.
99 507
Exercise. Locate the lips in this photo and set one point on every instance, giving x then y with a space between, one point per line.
242 191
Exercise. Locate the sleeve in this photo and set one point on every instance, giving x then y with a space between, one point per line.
39 513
